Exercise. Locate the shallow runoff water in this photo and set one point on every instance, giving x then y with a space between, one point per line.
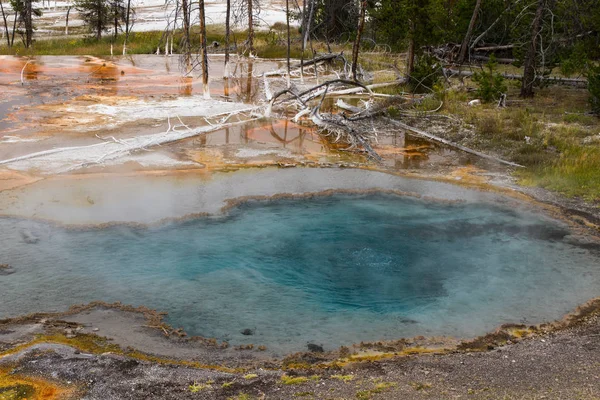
327 270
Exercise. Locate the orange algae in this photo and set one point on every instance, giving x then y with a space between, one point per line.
20 387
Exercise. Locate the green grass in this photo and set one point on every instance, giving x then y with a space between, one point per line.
267 44
575 173
549 135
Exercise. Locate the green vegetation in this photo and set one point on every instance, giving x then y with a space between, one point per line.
420 385
491 83
343 378
379 387
147 43
293 380
593 77
551 135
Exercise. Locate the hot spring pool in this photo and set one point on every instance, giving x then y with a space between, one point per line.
330 270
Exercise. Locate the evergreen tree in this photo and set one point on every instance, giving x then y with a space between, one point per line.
96 14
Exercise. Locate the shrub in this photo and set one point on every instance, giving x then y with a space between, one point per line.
491 83
426 74
593 77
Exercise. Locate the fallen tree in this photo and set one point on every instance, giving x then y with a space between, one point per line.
579 82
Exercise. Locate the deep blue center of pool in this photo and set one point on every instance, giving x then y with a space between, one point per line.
331 271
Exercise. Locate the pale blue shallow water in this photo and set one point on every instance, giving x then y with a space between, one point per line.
332 270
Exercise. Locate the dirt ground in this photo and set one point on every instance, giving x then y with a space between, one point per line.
551 364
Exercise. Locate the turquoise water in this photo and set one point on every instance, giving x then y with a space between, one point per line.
331 271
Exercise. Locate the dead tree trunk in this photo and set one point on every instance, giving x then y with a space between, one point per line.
127 27
308 24
5 24
465 43
306 33
203 51
185 9
14 29
356 48
116 21
67 21
289 40
529 64
410 60
250 29
493 24
227 33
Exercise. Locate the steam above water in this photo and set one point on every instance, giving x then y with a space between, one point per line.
332 271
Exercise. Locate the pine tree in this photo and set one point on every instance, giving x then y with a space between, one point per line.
96 14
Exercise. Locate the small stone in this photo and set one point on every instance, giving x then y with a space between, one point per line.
96 329
315 348
247 332
6 269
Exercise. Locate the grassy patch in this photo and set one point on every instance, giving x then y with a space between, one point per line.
197 387
380 387
293 380
551 135
420 385
343 378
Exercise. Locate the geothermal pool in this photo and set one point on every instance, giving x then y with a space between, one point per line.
331 270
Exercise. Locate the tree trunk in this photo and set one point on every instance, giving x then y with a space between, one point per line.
203 50
302 46
227 33
465 43
309 24
186 35
356 48
100 17
12 40
28 19
250 29
304 17
116 16
289 40
529 64
127 27
67 22
410 60
5 24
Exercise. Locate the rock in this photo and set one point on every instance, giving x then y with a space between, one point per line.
315 348
247 332
96 329
6 269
